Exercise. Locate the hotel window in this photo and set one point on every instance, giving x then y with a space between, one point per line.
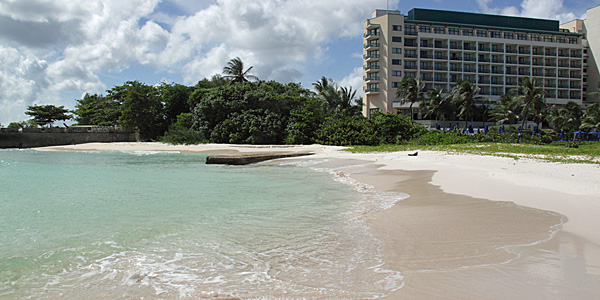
395 84
396 61
411 75
467 32
481 33
425 29
509 35
521 36
535 38
439 30
397 39
396 73
397 50
547 39
560 39
453 31
495 34
410 29
397 27
572 40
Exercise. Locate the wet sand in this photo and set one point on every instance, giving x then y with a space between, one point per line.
474 227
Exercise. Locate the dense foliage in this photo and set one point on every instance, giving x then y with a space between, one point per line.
239 108
47 114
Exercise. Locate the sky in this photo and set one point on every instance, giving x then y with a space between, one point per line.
55 51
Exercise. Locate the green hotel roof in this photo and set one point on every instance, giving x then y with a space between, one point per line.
485 20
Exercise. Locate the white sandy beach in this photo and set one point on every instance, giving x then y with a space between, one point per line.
449 239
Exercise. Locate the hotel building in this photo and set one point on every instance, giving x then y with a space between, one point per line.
491 51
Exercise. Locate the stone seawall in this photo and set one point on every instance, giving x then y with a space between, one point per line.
41 137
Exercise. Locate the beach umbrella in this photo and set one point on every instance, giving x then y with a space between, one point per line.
562 135
578 133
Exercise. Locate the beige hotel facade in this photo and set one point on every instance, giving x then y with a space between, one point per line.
491 51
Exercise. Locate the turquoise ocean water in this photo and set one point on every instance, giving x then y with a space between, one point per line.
119 225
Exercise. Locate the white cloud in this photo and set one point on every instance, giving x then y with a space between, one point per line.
21 81
69 43
354 80
543 9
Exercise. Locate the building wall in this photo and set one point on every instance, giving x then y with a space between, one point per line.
37 137
555 58
591 27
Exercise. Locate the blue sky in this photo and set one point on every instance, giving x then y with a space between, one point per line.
52 52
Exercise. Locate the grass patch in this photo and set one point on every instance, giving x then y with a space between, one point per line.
586 152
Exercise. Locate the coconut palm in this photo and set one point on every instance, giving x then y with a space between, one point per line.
235 71
591 120
329 92
410 91
346 97
566 117
465 95
533 98
507 110
436 104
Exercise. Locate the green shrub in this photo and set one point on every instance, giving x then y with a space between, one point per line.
340 130
395 129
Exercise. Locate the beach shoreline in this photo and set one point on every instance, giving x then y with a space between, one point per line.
473 226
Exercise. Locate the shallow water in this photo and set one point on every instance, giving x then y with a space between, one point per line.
90 225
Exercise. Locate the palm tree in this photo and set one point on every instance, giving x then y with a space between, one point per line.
533 98
465 94
591 120
507 109
410 91
567 117
329 92
346 97
435 104
235 71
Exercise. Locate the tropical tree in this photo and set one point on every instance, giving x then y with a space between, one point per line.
567 117
410 91
47 114
507 110
435 104
465 95
236 73
142 109
591 119
346 97
94 109
533 99
329 93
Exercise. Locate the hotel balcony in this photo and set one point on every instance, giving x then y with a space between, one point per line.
371 36
372 26
371 57
372 91
372 46
371 78
372 69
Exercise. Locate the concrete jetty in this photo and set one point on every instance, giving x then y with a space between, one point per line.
250 158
